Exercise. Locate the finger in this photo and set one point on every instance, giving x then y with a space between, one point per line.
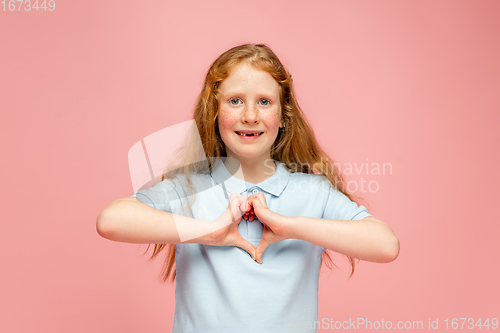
234 210
249 211
259 251
262 199
258 197
244 206
249 214
257 205
246 245
246 209
235 217
250 203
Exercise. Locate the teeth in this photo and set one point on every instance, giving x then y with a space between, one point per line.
243 134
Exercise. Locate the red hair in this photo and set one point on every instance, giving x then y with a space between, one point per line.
295 146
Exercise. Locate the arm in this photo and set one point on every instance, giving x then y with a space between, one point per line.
368 239
131 221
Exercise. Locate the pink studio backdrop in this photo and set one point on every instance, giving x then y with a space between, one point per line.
412 84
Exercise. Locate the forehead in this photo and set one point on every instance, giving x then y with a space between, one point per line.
244 76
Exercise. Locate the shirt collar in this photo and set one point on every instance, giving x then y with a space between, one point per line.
273 185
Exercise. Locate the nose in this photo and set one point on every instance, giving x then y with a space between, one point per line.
250 114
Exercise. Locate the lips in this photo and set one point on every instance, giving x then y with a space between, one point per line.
249 133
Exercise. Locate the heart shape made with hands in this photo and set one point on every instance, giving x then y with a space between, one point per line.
275 226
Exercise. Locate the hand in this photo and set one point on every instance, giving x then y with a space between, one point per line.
226 226
275 225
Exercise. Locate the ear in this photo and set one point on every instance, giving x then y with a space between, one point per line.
282 121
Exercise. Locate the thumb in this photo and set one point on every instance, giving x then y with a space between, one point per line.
258 202
247 246
259 251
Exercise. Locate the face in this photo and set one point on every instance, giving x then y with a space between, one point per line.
249 104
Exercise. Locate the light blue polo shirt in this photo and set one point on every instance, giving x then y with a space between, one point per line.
221 289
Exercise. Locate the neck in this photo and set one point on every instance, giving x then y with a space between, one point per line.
251 170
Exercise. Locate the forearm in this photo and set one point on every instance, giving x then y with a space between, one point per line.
369 240
136 222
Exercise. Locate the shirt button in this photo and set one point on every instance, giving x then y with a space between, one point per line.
255 191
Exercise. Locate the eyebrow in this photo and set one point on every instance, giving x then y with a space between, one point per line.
235 92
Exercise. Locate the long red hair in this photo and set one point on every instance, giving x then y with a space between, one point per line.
295 146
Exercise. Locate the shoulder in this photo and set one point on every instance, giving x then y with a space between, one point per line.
175 182
310 180
198 181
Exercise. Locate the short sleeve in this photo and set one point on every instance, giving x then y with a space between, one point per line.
339 207
158 196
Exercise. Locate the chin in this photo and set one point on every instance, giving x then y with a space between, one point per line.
248 154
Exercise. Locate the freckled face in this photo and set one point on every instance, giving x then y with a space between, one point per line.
249 102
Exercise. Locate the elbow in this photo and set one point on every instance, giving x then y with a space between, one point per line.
103 225
391 251
106 221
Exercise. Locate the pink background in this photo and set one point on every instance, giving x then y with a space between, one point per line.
410 83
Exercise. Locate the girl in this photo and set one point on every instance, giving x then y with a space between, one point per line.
267 189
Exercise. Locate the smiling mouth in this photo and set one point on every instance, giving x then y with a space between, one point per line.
249 134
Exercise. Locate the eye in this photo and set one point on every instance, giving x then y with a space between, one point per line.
267 102
233 99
